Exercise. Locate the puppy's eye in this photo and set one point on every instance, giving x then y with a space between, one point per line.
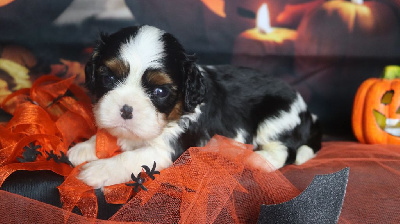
108 79
160 92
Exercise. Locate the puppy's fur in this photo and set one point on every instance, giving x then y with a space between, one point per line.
158 102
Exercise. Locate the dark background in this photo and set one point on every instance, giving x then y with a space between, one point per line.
333 51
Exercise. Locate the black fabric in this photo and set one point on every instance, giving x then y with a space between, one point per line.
42 186
38 185
321 202
4 116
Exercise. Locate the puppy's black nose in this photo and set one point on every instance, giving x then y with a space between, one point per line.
126 112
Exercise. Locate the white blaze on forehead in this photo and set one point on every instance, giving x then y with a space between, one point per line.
142 51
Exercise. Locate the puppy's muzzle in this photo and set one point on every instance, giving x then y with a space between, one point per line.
126 112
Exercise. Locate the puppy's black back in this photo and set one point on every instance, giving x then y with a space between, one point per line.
240 98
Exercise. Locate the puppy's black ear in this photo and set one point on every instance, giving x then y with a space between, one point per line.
90 76
195 88
90 68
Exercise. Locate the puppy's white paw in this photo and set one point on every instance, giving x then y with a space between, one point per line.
304 153
82 152
104 172
275 153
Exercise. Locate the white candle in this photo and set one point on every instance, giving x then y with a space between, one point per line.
359 2
263 23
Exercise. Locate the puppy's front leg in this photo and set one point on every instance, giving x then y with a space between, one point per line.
83 152
118 169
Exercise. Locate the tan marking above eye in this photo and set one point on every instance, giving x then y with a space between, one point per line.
158 78
387 97
117 66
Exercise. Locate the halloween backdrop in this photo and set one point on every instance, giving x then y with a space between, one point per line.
325 49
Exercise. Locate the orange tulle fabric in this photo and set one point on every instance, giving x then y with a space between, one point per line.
223 182
373 192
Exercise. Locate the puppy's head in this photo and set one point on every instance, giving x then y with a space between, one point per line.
142 79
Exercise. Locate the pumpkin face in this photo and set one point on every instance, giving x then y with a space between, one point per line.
376 112
337 31
341 28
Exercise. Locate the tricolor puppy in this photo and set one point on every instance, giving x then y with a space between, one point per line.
158 102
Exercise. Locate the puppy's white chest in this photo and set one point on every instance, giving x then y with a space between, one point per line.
127 144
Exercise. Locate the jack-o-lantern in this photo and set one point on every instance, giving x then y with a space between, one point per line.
13 76
376 110
337 30
339 45
19 55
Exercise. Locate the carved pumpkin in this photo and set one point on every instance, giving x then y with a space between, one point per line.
19 55
339 45
13 76
339 29
376 110
294 12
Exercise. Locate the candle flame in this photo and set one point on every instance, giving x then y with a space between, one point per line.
359 2
263 23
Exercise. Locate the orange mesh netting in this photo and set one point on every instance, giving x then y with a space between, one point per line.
373 192
223 182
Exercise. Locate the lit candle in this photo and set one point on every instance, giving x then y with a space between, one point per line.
263 22
253 45
359 2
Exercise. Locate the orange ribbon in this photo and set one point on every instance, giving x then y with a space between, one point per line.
106 145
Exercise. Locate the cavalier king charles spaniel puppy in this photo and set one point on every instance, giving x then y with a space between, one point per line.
154 98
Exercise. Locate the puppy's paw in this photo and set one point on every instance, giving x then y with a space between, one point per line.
275 153
304 153
82 152
104 172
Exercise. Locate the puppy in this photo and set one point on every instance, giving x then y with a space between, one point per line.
158 102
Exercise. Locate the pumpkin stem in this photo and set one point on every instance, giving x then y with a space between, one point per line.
391 72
